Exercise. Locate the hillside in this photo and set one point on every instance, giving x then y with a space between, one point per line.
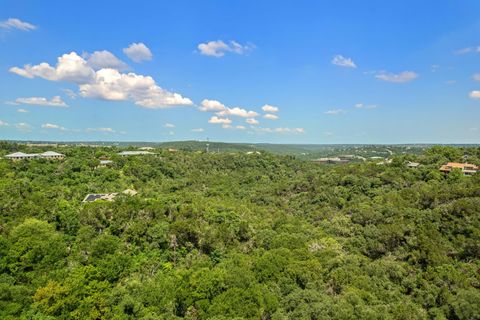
232 235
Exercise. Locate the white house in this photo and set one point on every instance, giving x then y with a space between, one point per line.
51 155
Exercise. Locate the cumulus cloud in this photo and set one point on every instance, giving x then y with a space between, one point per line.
335 112
218 48
476 77
269 108
217 120
13 23
197 130
239 112
270 116
70 68
240 127
110 84
169 125
3 123
56 101
22 110
211 105
221 110
105 59
341 61
252 121
475 94
402 77
138 52
106 83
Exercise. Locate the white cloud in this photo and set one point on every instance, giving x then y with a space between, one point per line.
221 110
364 106
56 101
219 48
138 52
198 130
24 127
341 61
217 120
475 94
70 67
271 116
107 83
70 93
105 59
239 112
402 77
476 77
211 105
13 23
110 84
269 108
52 126
468 50
252 121
239 127
105 130
169 125
3 123
282 130
335 112
22 110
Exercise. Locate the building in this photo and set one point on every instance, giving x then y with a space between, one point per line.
146 148
412 164
467 169
50 155
334 160
107 196
100 196
134 153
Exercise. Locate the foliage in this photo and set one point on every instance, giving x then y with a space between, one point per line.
238 236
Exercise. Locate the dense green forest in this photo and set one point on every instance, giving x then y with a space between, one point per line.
238 236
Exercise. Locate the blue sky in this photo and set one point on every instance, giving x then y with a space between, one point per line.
241 71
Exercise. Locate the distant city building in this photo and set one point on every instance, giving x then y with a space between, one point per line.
51 155
134 153
467 169
146 148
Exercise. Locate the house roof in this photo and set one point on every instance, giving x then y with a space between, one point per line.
51 154
99 196
19 154
133 153
463 166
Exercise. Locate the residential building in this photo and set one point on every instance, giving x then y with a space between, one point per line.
411 164
51 155
467 169
134 153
